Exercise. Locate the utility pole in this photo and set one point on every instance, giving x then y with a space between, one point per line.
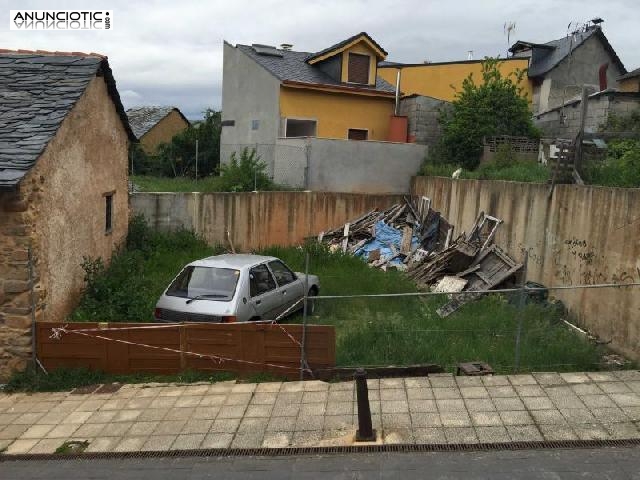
196 159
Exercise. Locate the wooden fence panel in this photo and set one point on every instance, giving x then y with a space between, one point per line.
238 347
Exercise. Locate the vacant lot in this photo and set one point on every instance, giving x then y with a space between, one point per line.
370 331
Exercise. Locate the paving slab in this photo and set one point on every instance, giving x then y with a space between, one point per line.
435 409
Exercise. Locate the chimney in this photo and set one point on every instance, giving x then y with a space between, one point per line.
286 46
470 55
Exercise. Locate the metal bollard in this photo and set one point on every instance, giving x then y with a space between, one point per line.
365 432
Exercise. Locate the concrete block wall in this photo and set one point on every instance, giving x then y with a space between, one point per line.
423 115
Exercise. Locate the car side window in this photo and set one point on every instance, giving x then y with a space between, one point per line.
260 280
281 272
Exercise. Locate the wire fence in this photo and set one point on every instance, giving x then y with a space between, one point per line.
525 327
285 163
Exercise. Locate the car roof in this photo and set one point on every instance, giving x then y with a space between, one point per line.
232 260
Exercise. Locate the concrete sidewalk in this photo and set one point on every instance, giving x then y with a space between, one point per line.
438 409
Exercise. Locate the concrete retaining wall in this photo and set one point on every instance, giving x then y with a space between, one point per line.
255 220
335 165
578 235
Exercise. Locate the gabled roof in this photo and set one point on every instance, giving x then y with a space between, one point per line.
143 119
37 91
631 74
291 66
547 56
344 44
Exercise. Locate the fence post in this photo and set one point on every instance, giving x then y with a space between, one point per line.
307 154
365 432
521 305
183 347
303 359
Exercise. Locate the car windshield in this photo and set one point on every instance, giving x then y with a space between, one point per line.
206 283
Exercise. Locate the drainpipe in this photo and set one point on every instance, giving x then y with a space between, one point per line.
398 91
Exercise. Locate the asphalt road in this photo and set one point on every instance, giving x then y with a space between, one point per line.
604 463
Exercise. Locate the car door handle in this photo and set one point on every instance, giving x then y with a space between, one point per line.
284 292
258 302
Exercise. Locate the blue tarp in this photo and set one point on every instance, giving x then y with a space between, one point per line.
383 238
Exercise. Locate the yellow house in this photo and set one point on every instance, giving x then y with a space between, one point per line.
630 82
155 125
271 93
442 80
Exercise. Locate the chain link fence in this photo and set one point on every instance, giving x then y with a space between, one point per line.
285 163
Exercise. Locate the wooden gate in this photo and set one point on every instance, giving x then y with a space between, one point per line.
241 348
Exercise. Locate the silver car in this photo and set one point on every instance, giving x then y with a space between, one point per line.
234 288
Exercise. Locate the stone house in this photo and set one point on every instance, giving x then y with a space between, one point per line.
156 125
64 139
558 69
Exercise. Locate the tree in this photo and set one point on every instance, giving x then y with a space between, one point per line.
178 157
496 106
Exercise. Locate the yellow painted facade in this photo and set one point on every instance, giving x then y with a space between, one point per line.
163 132
436 80
629 84
336 112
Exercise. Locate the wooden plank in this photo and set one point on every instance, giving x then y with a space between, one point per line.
261 344
405 245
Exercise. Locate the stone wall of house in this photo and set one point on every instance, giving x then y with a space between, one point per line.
423 113
163 132
600 106
58 212
16 222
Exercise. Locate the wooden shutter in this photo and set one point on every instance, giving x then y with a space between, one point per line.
358 68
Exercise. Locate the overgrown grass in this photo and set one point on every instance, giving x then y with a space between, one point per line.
147 183
64 379
527 171
407 330
370 331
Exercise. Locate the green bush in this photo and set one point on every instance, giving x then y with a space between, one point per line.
620 168
495 106
245 174
127 289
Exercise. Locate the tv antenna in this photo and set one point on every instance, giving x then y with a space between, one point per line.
508 28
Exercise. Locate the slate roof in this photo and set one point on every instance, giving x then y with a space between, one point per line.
546 56
143 119
346 42
292 66
631 74
37 91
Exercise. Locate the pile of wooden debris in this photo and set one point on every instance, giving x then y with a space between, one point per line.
411 236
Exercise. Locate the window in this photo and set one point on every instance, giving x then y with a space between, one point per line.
282 273
358 68
255 124
260 280
108 212
207 283
358 134
300 128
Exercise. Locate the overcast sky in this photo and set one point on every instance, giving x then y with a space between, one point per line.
170 52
